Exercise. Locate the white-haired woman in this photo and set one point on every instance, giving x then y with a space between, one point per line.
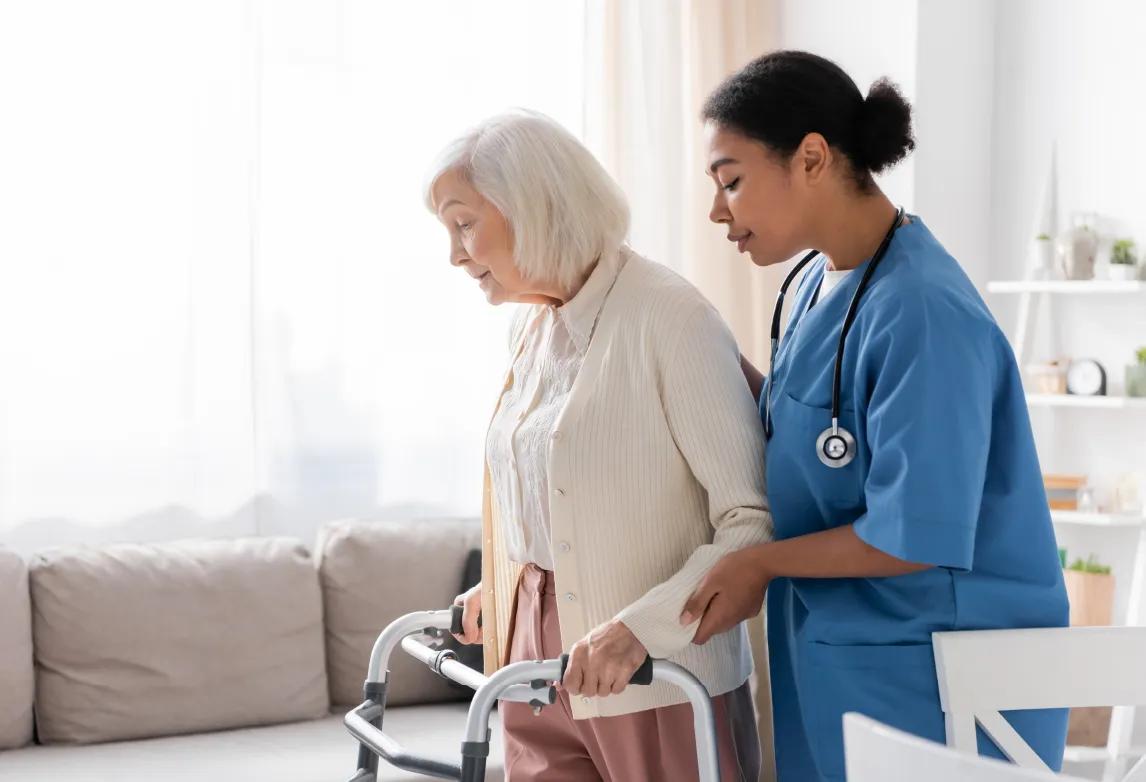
624 458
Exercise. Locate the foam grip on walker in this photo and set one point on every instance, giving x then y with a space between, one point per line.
456 614
643 675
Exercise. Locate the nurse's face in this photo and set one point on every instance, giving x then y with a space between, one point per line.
760 198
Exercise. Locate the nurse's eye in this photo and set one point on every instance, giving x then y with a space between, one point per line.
731 185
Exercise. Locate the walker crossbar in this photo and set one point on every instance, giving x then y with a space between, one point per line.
528 682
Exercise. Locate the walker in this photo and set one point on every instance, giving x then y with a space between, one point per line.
528 681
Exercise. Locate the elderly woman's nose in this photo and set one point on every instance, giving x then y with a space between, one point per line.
457 254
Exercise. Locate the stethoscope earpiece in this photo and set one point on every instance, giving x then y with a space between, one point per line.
835 446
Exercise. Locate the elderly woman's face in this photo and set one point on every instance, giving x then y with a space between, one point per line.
480 239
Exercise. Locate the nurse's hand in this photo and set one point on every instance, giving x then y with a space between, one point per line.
730 593
602 662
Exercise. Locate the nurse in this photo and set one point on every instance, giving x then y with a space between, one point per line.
901 467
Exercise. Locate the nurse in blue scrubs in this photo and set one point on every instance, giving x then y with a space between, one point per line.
901 467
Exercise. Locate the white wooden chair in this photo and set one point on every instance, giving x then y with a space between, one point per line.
874 752
984 672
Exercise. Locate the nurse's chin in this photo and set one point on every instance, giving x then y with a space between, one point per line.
763 259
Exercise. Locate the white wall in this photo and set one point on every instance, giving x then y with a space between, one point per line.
1073 74
953 126
868 39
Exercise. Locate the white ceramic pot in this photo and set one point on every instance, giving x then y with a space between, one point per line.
1044 266
1123 272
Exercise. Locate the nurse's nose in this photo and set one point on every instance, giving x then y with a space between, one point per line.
719 212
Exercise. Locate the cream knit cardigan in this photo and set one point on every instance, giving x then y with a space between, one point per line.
656 470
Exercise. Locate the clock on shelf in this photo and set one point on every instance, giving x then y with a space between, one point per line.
1085 377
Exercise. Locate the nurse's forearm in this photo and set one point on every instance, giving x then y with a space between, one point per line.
833 553
753 375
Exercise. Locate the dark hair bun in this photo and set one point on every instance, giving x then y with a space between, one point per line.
885 136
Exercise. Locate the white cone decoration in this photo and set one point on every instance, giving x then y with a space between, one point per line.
1042 265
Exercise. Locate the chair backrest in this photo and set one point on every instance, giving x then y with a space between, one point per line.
984 672
875 752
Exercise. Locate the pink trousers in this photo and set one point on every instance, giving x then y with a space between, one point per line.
656 745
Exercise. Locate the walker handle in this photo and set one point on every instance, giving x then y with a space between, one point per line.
643 675
456 613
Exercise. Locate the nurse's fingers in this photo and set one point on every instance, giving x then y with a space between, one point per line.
697 604
716 620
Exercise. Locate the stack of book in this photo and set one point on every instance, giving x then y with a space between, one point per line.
1062 490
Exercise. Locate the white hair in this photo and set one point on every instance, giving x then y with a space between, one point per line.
564 210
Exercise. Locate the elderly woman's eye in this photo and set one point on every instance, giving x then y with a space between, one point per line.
464 226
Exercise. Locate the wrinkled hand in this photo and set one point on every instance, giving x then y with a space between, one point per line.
602 662
470 601
730 593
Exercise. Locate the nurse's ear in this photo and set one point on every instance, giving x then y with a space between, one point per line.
812 159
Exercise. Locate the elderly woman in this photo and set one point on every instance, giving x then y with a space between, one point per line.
624 458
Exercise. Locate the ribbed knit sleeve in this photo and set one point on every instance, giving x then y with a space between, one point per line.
717 429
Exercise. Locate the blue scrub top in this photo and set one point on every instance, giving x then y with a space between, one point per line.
945 474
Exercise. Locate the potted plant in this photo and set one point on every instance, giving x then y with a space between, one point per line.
1136 375
1090 589
1043 264
1123 260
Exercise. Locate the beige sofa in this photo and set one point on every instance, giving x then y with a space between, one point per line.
220 660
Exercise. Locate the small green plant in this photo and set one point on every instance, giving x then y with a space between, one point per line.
1043 237
1089 565
1122 253
1141 354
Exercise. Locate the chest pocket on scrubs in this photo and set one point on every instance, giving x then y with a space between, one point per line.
836 488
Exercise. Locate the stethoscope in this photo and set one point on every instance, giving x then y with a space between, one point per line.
836 447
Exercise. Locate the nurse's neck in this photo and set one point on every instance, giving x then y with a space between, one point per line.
852 232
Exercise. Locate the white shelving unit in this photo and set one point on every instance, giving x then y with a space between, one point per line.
1031 295
1097 519
1067 286
1097 402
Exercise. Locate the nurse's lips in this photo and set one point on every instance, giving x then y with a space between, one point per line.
740 240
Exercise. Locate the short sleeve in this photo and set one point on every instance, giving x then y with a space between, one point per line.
932 373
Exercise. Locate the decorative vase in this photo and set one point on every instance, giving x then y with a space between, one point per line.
1136 380
1077 249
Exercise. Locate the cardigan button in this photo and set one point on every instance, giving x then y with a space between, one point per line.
559 492
557 434
564 546
570 596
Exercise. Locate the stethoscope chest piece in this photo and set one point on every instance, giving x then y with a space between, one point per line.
835 446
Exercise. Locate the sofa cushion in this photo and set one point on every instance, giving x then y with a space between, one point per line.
16 677
372 573
312 751
152 640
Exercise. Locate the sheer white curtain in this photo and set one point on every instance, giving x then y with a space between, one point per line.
652 64
223 308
